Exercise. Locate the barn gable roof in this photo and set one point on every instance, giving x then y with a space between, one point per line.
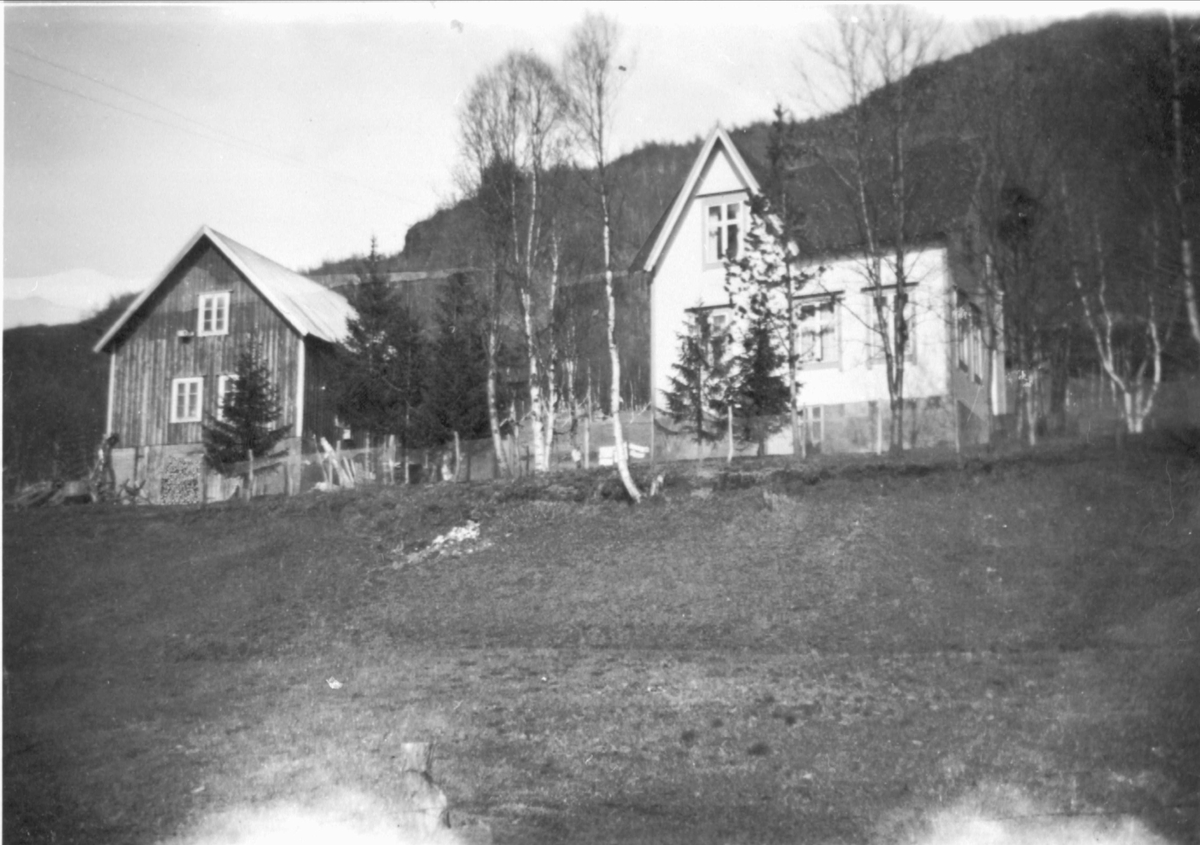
311 309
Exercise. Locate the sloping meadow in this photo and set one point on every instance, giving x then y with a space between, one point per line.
839 652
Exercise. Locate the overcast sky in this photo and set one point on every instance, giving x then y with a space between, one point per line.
302 129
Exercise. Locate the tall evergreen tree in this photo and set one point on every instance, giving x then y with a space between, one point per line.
702 388
456 401
248 415
762 395
765 280
382 361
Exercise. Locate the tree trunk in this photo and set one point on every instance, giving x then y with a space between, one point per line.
249 474
534 375
1187 272
614 356
457 456
799 444
502 463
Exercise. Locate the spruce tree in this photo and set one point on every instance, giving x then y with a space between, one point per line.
762 394
702 388
456 399
368 400
248 416
382 362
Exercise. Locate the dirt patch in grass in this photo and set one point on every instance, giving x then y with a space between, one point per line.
840 651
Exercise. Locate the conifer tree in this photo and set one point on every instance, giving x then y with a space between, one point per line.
762 394
382 361
702 388
250 409
456 401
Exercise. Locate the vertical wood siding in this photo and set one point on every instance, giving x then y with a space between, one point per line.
149 354
320 390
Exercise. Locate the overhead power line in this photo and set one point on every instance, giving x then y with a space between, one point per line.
224 138
139 98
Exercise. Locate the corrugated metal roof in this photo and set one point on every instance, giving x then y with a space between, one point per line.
309 308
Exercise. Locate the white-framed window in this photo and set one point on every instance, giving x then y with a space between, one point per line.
722 230
186 397
875 343
819 338
225 385
717 320
213 316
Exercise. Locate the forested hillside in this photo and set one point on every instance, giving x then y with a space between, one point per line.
55 394
1092 93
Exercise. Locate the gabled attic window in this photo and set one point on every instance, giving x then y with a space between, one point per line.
213 316
722 230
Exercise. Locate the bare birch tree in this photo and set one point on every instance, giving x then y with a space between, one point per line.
1130 317
1015 246
873 54
512 137
590 73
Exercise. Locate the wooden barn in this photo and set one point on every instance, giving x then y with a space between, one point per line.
172 352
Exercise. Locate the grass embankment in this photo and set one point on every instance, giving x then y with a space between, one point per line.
800 656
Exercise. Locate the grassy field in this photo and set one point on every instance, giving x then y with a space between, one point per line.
832 653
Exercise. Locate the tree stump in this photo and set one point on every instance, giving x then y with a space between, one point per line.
423 806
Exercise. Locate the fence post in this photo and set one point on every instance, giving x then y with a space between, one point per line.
249 474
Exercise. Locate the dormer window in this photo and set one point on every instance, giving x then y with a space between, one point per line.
213 315
723 230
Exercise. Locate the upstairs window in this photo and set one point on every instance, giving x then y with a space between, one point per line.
819 332
186 394
723 231
214 314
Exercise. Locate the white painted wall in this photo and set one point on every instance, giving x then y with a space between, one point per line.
857 378
683 280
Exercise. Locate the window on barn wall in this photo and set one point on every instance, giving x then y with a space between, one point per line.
225 385
723 230
819 339
186 394
214 314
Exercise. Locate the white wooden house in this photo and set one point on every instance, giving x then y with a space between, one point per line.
844 385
